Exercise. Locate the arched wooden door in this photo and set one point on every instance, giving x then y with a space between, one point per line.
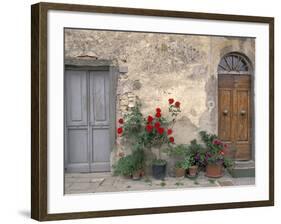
234 104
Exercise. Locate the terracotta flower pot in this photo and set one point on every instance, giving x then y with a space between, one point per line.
214 170
137 175
193 170
142 173
180 172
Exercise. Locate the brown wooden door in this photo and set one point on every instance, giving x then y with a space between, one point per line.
235 113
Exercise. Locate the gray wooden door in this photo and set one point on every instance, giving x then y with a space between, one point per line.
87 126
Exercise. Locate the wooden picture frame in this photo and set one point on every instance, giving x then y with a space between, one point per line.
39 109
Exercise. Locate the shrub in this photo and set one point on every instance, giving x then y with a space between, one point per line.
127 165
216 150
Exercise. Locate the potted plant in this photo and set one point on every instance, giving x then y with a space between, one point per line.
151 133
130 166
196 155
179 169
158 131
130 133
190 166
177 154
124 166
215 155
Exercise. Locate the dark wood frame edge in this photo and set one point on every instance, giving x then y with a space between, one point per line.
39 110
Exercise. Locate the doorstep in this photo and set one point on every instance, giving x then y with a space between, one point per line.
243 169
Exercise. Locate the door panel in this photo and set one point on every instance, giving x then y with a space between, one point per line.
77 153
242 115
225 109
99 98
78 145
235 126
76 97
243 140
101 149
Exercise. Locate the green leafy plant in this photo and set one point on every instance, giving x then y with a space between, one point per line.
178 150
141 133
127 165
196 153
216 150
187 162
191 154
133 126
124 166
179 164
211 181
159 162
179 183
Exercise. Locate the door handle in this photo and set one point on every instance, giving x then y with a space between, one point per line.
225 112
242 112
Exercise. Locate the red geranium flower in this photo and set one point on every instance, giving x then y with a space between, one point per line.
158 110
121 121
119 130
171 101
157 124
149 128
169 131
149 119
171 139
158 114
160 131
177 104
217 142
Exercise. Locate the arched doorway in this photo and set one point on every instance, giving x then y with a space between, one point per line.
235 104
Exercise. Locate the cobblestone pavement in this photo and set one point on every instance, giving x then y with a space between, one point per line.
76 183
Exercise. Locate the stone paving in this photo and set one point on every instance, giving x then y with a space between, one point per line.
77 183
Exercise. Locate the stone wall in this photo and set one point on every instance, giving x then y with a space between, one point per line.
163 66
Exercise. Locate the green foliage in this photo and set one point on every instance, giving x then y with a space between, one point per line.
211 181
134 126
228 162
179 183
178 150
154 138
141 133
135 132
174 110
196 153
159 162
215 150
179 164
187 162
127 165
132 132
192 154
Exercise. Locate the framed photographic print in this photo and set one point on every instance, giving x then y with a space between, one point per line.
139 111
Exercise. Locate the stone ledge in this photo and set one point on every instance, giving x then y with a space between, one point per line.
243 169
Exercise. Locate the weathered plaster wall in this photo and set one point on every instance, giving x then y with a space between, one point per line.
163 66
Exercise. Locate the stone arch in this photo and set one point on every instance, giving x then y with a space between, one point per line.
235 63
